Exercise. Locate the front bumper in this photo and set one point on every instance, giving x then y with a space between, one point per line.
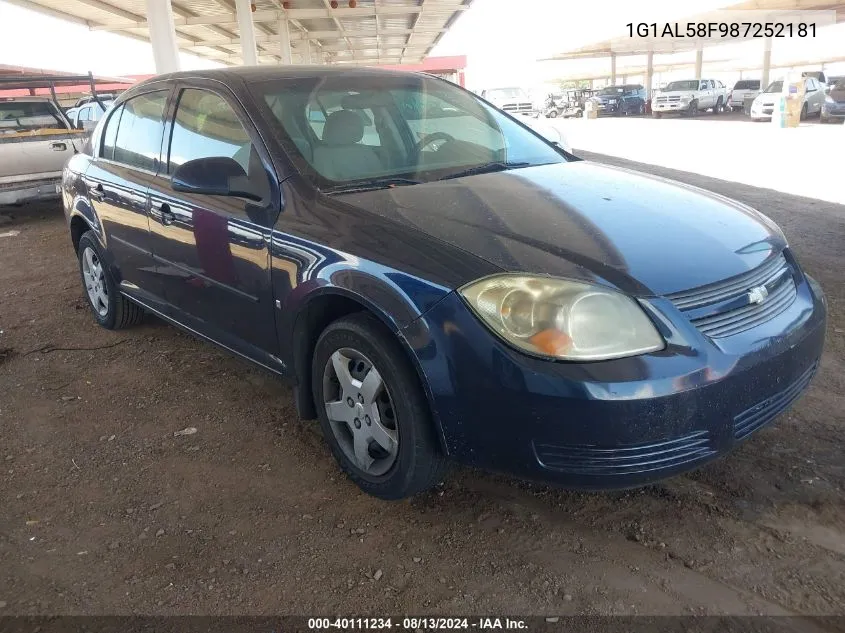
612 424
608 109
672 106
30 191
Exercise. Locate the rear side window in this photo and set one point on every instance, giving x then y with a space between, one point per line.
138 141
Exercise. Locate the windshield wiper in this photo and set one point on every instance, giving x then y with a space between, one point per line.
372 185
485 168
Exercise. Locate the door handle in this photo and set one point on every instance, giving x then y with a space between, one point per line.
97 192
167 216
58 146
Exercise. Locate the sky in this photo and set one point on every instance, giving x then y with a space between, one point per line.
503 39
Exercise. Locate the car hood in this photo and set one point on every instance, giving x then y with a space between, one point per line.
643 234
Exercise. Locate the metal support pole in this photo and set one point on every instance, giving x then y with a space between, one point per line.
767 63
162 36
249 51
308 59
649 75
284 41
613 69
699 61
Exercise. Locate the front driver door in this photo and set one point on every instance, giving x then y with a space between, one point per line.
211 252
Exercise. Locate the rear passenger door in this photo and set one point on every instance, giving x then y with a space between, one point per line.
212 252
124 164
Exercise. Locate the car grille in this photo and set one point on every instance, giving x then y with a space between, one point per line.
764 412
668 99
719 322
517 107
630 459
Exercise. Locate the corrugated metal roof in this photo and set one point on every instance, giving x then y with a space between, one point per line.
372 32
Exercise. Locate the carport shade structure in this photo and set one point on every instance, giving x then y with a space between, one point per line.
649 46
249 32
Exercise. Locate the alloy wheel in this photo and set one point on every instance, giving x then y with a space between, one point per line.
95 281
360 411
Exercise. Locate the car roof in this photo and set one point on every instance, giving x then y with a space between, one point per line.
252 74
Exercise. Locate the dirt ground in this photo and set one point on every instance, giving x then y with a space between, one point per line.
103 510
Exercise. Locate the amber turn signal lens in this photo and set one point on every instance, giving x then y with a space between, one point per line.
551 342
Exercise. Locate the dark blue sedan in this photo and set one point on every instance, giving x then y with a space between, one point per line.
439 282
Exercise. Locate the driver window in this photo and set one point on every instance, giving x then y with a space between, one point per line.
206 126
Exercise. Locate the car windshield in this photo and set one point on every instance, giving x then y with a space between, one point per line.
505 93
611 91
373 130
775 86
681 85
747 85
36 117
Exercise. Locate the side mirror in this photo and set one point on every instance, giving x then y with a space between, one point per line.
217 176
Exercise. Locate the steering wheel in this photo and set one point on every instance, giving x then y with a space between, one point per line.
430 138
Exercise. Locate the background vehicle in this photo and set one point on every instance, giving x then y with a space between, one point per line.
36 139
85 117
106 96
690 97
621 100
439 281
833 108
742 89
512 100
764 104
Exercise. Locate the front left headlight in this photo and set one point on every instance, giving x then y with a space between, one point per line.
829 99
562 319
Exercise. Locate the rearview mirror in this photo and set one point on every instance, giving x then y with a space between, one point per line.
216 176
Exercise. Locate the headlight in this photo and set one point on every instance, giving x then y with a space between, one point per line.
829 99
562 319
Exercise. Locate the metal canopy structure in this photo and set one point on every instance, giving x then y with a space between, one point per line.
307 31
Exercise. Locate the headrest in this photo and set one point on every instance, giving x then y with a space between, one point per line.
343 127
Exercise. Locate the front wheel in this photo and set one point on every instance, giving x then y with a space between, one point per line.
804 111
692 110
372 409
552 114
111 309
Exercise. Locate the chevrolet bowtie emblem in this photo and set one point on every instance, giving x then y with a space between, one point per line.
758 294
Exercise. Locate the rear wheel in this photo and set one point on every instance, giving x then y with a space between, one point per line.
372 409
111 309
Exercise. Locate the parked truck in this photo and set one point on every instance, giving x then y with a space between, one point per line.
689 97
36 138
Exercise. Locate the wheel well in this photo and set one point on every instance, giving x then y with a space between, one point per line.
78 227
310 323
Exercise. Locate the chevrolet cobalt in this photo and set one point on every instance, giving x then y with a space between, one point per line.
439 282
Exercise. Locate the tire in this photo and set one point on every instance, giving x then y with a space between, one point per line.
112 310
692 110
641 109
415 463
719 106
552 114
804 111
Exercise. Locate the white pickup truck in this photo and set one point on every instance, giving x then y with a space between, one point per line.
689 97
36 139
